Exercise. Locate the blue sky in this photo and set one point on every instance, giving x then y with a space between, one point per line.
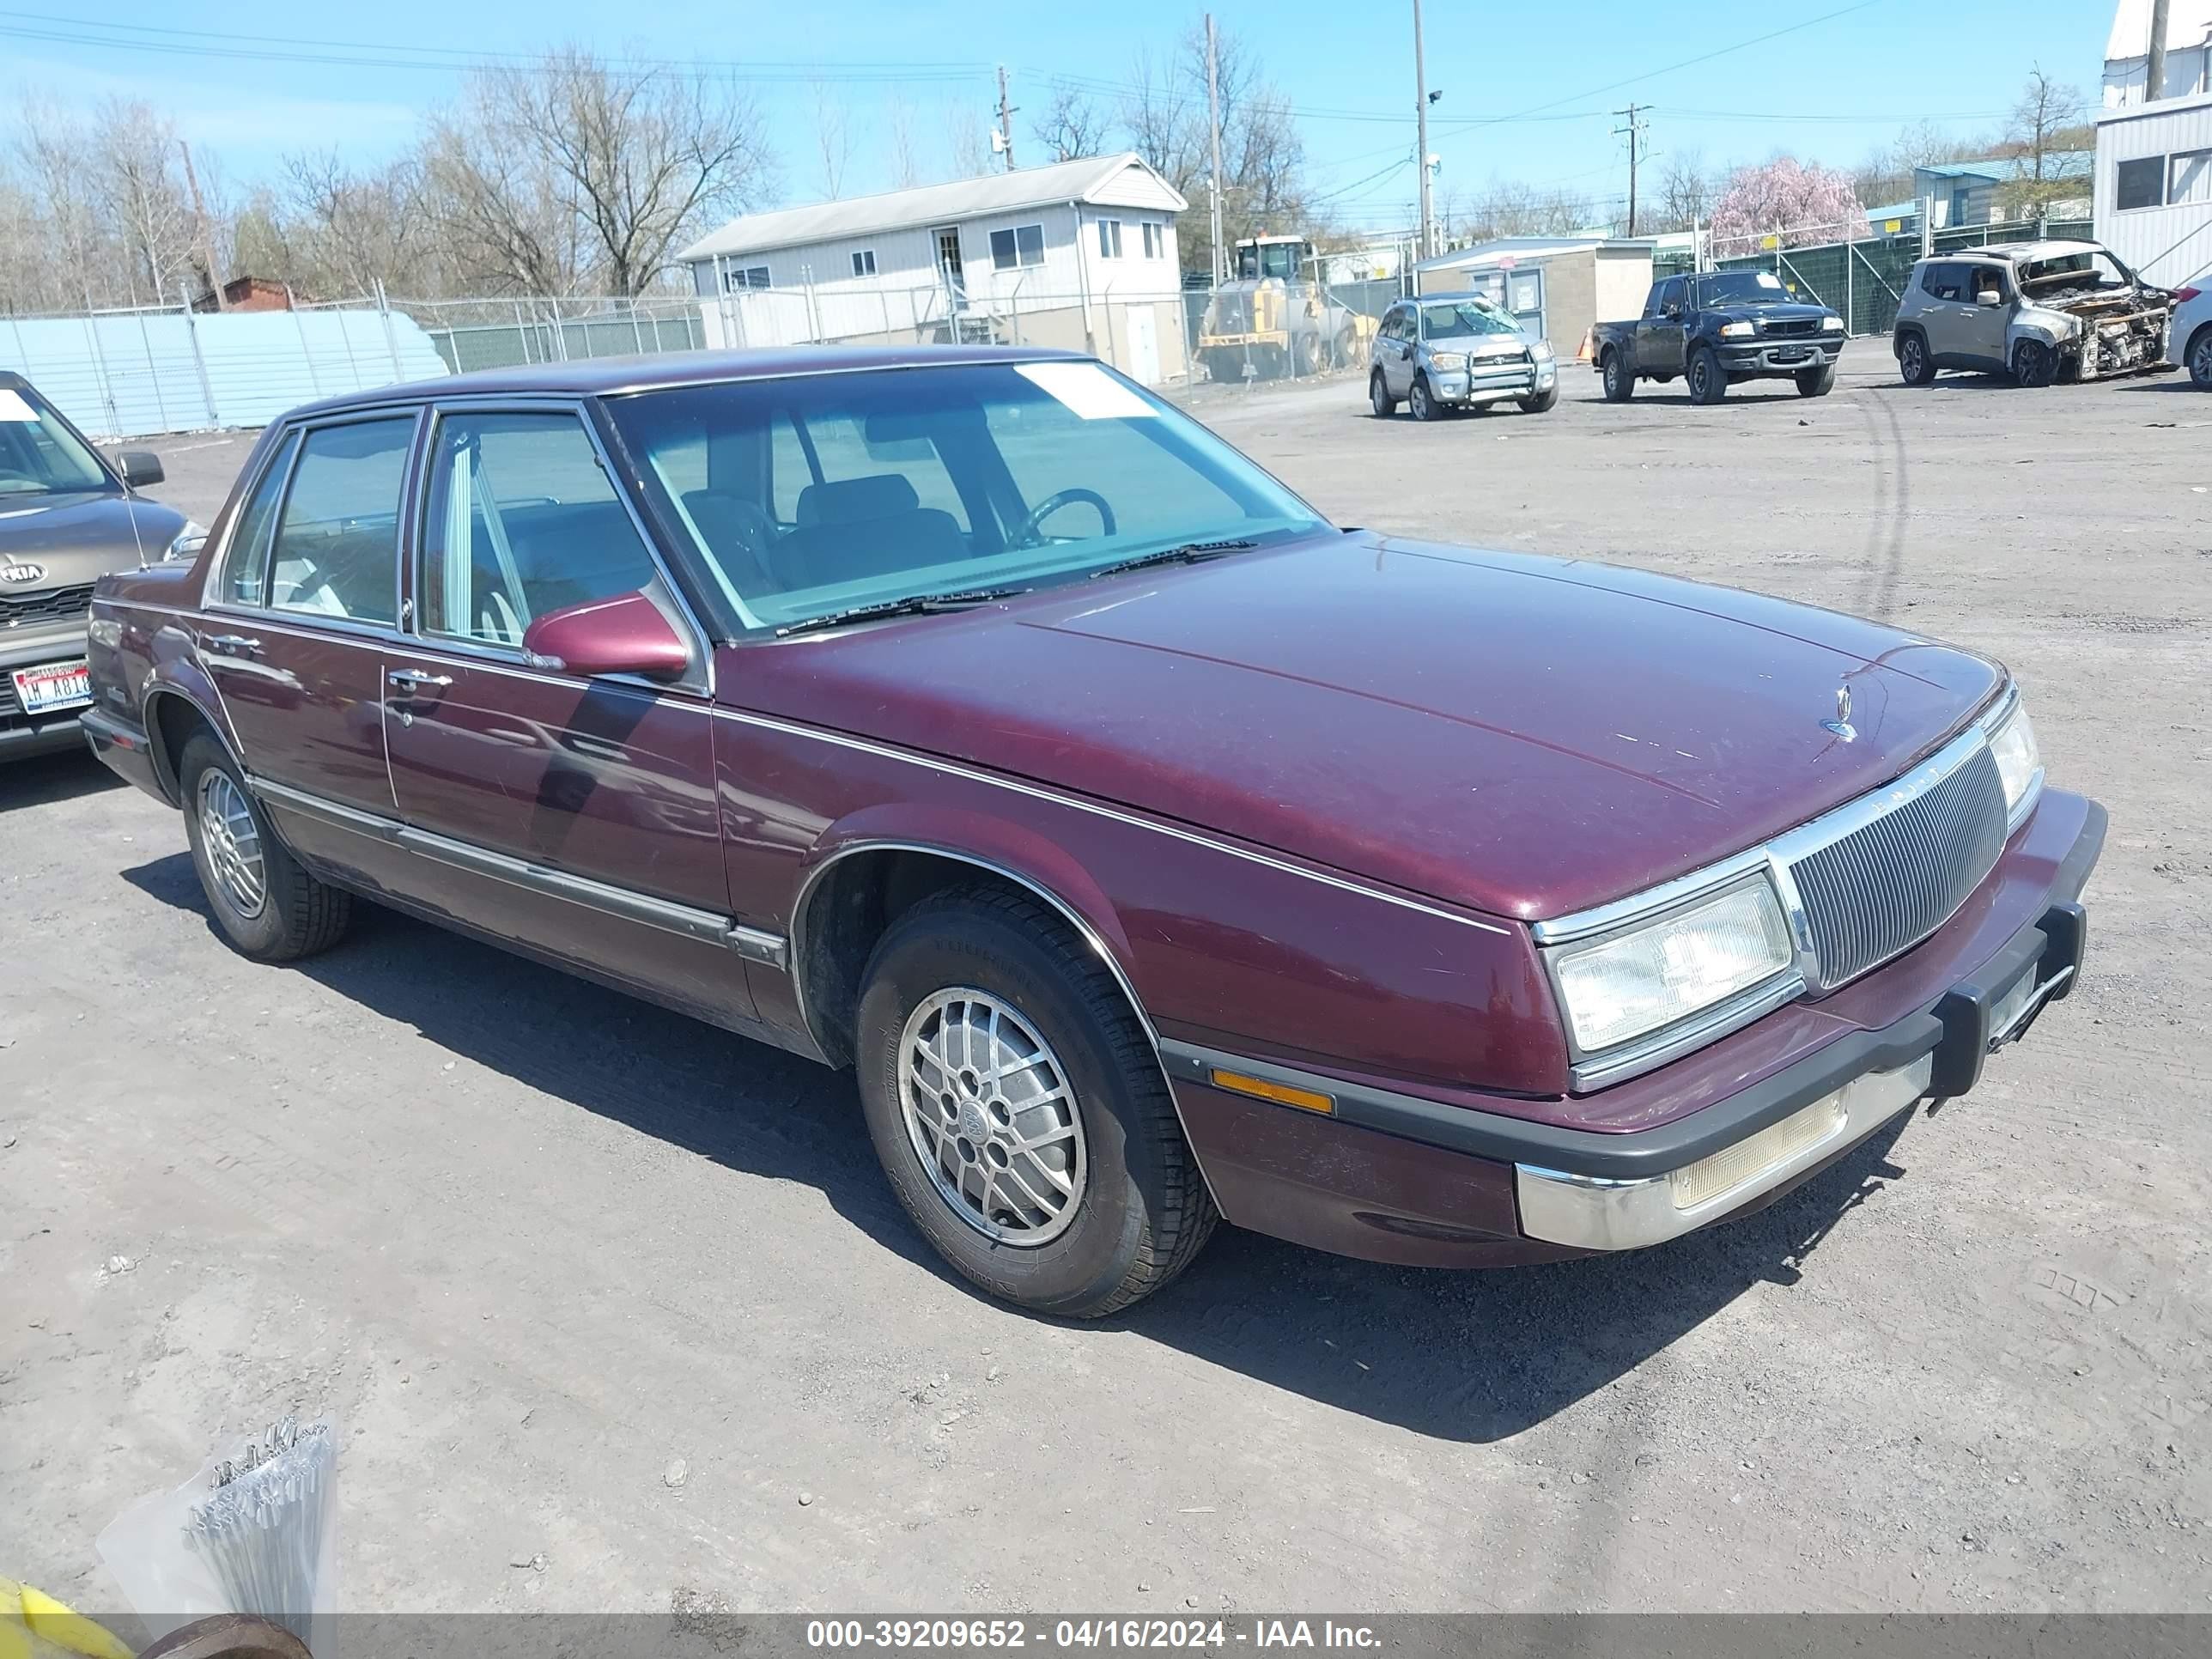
1837 78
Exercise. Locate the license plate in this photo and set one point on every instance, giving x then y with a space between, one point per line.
1790 355
53 686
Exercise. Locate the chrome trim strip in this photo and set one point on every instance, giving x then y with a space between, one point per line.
1594 1213
1084 930
1098 808
753 944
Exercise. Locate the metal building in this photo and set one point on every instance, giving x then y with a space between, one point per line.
2153 187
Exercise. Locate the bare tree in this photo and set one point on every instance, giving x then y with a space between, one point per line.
1073 125
964 138
141 190
2043 108
833 142
1687 190
903 153
567 168
338 231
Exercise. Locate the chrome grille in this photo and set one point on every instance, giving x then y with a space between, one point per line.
1887 884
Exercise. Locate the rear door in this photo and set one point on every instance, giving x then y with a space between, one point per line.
308 593
1397 338
572 814
1944 312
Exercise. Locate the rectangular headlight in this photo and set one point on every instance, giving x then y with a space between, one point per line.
2019 764
1735 331
1623 986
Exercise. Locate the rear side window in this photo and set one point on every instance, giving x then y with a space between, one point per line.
1944 282
337 550
245 570
520 519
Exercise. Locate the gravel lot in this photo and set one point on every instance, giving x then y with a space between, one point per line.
583 1279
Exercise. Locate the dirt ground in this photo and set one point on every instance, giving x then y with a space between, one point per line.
582 1280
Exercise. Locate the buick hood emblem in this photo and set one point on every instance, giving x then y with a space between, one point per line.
16 573
1841 725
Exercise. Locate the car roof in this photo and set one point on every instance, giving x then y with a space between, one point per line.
605 376
2015 252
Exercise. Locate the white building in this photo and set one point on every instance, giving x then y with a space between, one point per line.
1080 254
2188 52
2153 187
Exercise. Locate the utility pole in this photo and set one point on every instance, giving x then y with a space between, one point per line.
1214 128
200 223
2154 71
1005 120
1421 137
1635 130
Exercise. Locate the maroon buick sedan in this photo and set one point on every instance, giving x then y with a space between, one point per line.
1155 850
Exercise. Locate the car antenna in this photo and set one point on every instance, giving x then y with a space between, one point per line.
131 511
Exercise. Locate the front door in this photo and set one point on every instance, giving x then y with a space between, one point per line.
573 814
948 263
1659 335
1982 327
1398 330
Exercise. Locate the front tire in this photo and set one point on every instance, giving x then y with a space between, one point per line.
1914 366
269 908
1615 374
1708 380
1378 397
1422 402
1057 1177
1541 403
1816 382
2034 364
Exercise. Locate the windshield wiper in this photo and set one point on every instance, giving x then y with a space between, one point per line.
1189 553
914 604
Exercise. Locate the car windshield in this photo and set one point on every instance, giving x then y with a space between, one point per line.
813 495
1462 320
1738 287
2089 270
39 456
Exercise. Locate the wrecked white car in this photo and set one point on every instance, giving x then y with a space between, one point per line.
2038 311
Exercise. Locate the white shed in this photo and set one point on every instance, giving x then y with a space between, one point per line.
2153 187
1080 254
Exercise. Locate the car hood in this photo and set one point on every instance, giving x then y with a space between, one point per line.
78 537
1524 736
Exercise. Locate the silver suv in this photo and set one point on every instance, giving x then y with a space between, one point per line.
2038 311
1448 351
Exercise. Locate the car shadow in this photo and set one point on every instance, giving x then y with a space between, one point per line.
1475 1356
49 780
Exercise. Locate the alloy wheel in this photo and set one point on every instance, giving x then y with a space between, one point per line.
2200 361
992 1115
233 841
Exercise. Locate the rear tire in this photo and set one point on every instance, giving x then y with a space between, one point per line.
1378 397
269 908
2199 359
1613 372
1306 355
1138 1211
2034 364
1708 380
1914 366
1816 382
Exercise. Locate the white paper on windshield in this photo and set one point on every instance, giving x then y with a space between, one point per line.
1768 279
14 408
1087 389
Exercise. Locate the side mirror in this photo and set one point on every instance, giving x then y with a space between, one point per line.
1989 296
139 467
626 635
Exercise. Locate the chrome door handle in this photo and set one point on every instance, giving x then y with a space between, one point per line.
236 644
414 679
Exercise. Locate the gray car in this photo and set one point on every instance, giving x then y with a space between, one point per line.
1450 351
2037 311
68 516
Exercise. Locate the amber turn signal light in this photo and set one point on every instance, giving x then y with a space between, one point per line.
1281 1093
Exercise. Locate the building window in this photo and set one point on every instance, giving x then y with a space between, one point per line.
1109 238
1022 246
864 262
744 276
2189 177
1156 241
2140 183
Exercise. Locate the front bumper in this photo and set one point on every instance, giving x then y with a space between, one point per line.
1789 356
1398 1177
1517 378
23 735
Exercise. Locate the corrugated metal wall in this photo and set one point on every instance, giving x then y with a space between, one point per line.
120 374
